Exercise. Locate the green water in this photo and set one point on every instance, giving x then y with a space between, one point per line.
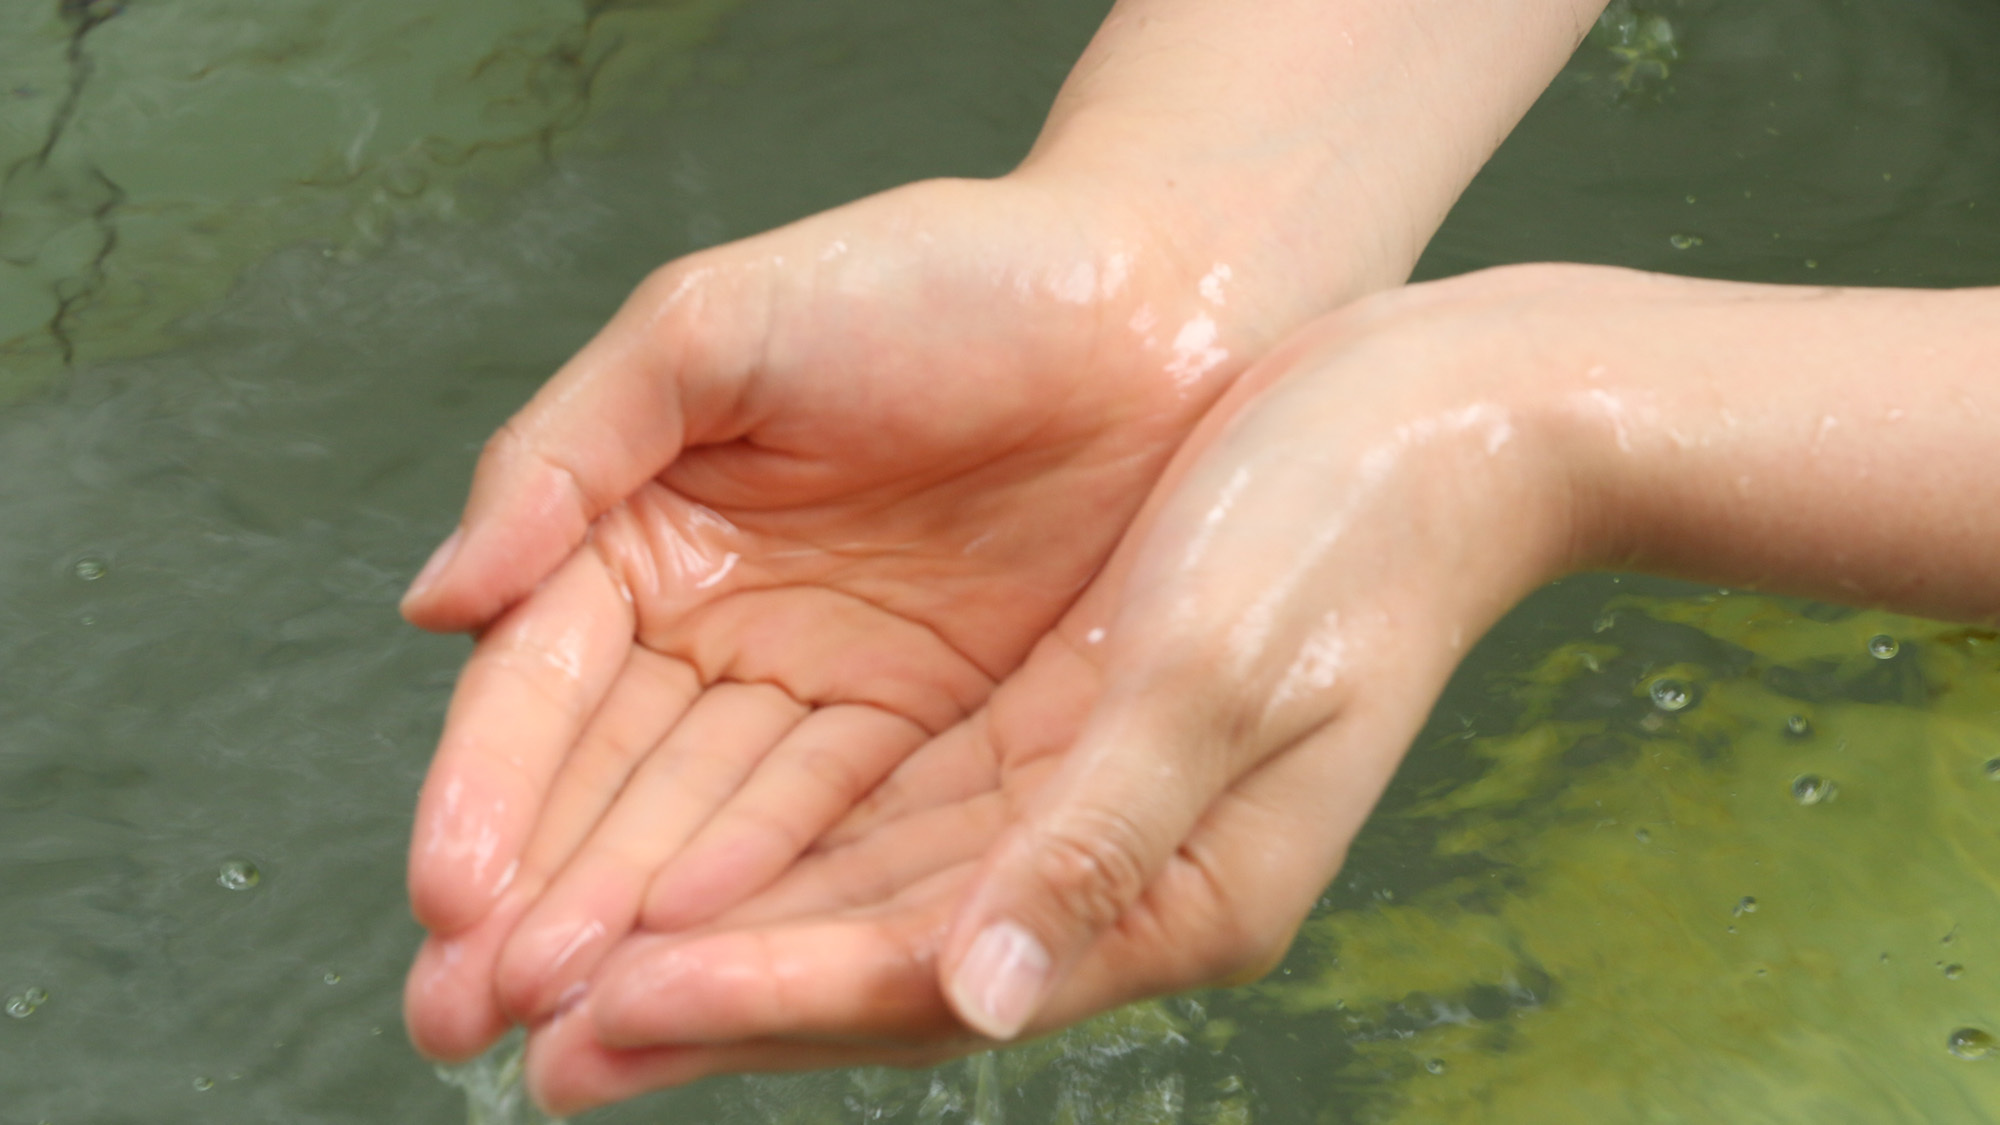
287 262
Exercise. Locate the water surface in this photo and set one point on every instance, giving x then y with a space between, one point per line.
287 262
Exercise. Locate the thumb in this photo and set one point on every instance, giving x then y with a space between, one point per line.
663 374
1128 794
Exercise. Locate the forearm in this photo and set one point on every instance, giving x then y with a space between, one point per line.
1312 146
1842 444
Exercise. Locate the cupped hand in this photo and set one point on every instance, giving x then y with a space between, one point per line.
791 515
1155 799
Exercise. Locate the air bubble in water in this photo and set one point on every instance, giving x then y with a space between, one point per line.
1953 972
1435 1066
331 977
1798 726
1971 1043
36 996
1745 905
204 1082
1671 695
238 875
1882 646
19 1008
89 568
1812 789
1993 770
1684 241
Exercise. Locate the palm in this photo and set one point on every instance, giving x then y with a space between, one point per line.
905 440
834 963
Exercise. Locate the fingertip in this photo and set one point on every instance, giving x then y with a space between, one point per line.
418 605
455 874
1001 981
449 1014
568 1070
558 1065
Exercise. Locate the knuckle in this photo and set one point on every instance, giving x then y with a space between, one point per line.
834 773
1093 867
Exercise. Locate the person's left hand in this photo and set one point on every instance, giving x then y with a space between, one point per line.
1157 797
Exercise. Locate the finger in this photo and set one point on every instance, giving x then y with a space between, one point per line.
448 1003
596 898
815 773
568 1071
665 372
869 977
1152 757
649 698
1227 904
880 869
531 685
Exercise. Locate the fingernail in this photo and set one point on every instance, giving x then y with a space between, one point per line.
439 559
999 984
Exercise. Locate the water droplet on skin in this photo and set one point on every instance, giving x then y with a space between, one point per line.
1882 646
204 1082
89 569
19 1008
1671 695
1435 1066
1684 241
1798 726
238 875
1953 972
1971 1043
1746 905
1812 789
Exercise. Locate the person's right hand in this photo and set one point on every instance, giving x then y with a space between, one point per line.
794 511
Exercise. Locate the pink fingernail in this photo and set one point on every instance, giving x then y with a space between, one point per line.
999 984
439 560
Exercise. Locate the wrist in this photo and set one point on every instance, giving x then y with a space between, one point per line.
1313 149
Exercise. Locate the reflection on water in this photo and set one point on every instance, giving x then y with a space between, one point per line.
345 247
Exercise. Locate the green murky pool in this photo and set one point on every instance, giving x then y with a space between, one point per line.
270 269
